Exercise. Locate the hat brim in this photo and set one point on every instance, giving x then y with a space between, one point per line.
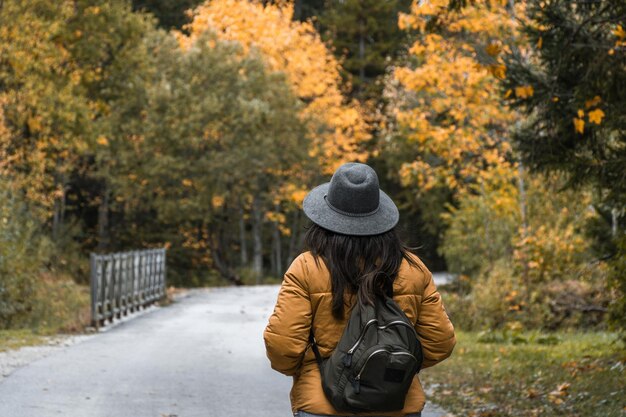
319 212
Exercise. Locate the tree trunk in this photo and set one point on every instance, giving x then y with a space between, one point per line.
257 224
293 240
524 217
219 261
277 252
361 53
486 225
56 219
243 244
297 10
614 223
103 221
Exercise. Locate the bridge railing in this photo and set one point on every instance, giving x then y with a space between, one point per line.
123 283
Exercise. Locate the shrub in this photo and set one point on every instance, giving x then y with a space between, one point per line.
59 304
617 284
22 253
31 293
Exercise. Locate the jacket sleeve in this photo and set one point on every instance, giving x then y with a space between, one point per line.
287 333
434 329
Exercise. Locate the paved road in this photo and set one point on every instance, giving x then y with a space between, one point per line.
200 357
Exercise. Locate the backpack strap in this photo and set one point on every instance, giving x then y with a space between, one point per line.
316 351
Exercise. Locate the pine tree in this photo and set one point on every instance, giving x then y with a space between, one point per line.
171 14
571 85
366 36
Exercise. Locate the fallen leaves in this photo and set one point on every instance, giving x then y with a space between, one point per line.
558 395
532 393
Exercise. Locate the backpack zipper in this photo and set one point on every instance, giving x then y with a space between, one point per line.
361 336
395 322
357 380
347 360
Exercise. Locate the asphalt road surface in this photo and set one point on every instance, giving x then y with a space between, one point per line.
203 356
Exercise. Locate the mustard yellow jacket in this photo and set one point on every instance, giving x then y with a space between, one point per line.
305 300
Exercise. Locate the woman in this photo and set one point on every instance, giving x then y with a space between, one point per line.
353 255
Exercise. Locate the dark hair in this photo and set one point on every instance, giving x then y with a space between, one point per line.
365 265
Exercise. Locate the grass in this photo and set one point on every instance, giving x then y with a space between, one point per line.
572 374
15 339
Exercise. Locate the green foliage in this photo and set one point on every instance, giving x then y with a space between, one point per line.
32 295
540 272
487 223
366 36
617 282
59 305
22 253
218 129
575 118
171 14
498 299
516 336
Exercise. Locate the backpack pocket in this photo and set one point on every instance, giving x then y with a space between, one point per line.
382 380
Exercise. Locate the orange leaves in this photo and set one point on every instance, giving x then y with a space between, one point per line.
217 201
456 119
558 395
579 122
493 49
296 49
497 70
596 116
620 34
524 91
579 125
593 102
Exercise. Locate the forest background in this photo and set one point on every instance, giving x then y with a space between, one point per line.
497 126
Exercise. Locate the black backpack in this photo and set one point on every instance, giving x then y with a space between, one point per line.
374 363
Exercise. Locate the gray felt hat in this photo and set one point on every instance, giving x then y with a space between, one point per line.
352 203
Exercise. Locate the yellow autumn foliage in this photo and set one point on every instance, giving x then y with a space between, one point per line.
457 121
579 125
596 116
338 127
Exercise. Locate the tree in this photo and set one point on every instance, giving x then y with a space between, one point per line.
366 38
570 82
171 14
219 131
335 125
43 107
107 45
449 124
295 48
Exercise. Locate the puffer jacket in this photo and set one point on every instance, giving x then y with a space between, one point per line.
305 301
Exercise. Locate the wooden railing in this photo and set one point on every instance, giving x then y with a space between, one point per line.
123 283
